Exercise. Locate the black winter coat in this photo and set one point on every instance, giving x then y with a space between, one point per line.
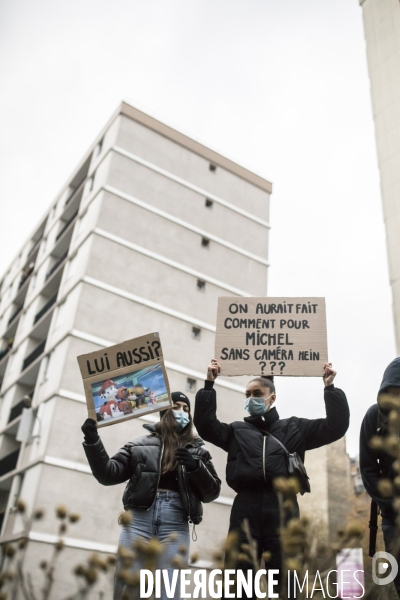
254 458
374 464
140 463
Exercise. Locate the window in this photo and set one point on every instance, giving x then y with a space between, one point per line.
100 146
190 384
201 285
213 168
196 332
205 242
209 203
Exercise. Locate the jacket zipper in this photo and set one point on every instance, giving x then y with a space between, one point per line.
189 518
265 437
159 468
183 479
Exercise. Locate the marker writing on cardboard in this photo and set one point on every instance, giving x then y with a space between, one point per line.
267 309
123 359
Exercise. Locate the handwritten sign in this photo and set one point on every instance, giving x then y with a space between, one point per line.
125 381
271 336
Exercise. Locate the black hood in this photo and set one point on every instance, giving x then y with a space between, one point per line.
391 376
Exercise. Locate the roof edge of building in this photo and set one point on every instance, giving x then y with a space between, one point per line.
129 110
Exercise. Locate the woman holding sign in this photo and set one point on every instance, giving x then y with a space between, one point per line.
169 475
258 449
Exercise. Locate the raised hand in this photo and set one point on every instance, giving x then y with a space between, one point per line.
89 429
213 370
329 374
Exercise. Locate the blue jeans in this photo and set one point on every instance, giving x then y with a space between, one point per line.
165 517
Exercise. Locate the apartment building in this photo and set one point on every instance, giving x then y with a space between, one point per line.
151 228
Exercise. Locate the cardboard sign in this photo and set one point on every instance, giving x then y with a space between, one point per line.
125 381
271 336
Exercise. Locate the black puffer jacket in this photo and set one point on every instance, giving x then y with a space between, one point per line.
376 464
254 458
140 461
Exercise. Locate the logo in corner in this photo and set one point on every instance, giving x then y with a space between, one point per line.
381 562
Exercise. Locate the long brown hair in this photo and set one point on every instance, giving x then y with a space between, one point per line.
173 439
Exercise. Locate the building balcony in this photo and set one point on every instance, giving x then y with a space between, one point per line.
51 285
17 409
36 352
35 247
24 285
4 356
27 272
66 226
56 265
9 462
78 188
14 315
45 308
5 351
12 324
64 237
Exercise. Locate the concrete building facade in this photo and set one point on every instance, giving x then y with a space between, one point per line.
137 241
382 34
329 504
149 231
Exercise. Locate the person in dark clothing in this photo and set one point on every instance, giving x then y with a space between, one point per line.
376 464
255 458
169 475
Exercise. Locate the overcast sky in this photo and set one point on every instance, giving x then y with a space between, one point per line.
280 87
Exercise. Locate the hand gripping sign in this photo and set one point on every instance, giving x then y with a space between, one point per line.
125 381
271 336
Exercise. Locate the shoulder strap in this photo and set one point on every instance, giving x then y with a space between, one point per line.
280 443
373 527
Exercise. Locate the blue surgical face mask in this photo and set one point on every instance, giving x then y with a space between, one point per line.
256 406
182 419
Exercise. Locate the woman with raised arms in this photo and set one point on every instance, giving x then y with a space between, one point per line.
169 475
258 450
